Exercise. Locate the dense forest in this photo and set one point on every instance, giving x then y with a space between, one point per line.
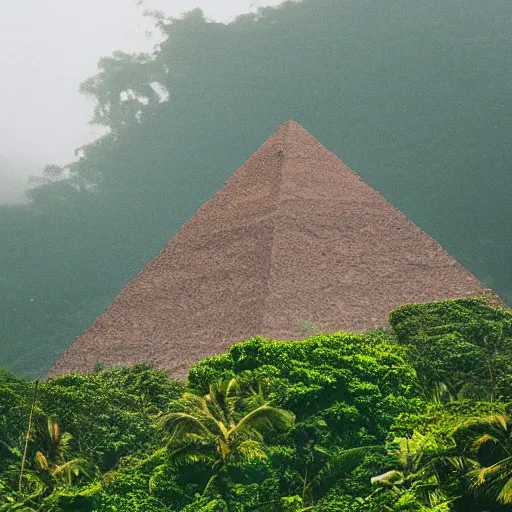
415 418
414 95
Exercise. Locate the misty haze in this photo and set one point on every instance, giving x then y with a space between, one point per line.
48 49
255 255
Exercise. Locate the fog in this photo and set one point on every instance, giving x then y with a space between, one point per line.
46 50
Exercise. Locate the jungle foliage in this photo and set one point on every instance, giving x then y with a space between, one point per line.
416 418
414 95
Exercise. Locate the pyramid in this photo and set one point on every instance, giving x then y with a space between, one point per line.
293 236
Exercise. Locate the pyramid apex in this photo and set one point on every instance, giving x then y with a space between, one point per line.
292 141
291 124
290 137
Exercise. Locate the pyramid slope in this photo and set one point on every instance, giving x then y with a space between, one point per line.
294 235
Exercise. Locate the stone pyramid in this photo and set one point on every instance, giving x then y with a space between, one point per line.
293 236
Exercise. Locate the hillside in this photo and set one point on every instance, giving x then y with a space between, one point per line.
416 418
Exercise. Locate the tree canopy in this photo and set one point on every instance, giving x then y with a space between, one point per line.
335 422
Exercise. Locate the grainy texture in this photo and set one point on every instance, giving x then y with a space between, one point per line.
293 237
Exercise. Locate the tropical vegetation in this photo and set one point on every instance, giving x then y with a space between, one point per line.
414 418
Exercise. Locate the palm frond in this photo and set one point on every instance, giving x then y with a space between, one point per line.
53 430
505 495
477 476
191 454
42 461
485 423
437 498
207 426
265 419
215 402
257 397
485 438
250 450
462 464
224 449
179 424
322 450
222 428
222 399
192 443
15 452
195 404
233 387
340 464
73 467
499 419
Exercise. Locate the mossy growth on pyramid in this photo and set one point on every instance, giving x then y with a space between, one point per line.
294 238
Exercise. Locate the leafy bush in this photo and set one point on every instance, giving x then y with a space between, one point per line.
464 343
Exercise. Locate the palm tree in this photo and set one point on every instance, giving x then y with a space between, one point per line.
212 429
58 451
490 467
415 482
337 466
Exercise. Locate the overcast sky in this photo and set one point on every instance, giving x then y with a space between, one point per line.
47 47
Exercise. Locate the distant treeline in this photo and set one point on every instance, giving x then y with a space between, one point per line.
414 95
